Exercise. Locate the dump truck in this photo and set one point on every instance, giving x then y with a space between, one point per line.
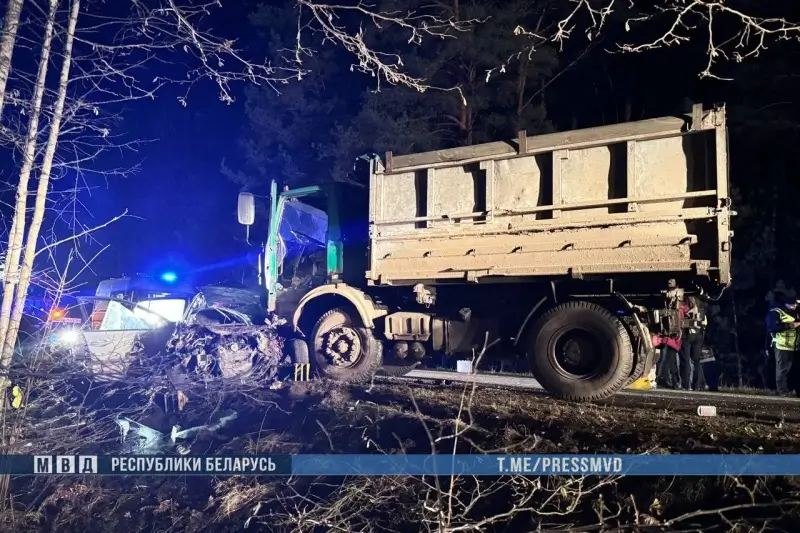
573 250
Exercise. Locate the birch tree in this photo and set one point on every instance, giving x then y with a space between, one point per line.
42 189
15 244
10 27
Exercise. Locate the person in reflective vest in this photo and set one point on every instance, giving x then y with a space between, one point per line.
782 324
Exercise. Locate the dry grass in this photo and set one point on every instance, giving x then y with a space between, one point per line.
319 417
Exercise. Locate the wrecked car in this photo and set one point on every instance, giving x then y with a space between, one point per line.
216 332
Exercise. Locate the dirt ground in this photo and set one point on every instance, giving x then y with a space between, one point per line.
321 417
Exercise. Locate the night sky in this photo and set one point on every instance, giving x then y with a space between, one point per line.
185 202
182 209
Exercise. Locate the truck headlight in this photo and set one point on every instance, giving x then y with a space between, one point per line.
68 336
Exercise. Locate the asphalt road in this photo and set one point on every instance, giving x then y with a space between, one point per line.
726 404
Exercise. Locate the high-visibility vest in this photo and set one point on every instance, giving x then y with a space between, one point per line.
787 339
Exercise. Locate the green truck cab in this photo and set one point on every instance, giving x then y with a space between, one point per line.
312 272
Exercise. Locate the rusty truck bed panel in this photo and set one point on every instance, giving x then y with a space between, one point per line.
647 196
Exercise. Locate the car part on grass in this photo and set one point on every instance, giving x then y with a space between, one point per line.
182 400
208 429
138 439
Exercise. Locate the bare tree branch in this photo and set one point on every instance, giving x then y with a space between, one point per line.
731 33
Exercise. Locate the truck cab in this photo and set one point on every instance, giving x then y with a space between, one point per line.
312 270
313 234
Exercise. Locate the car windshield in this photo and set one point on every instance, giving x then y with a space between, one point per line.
116 315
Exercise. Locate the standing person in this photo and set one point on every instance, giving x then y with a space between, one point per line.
693 336
782 324
667 371
669 345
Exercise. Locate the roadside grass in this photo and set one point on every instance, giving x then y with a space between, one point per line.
324 417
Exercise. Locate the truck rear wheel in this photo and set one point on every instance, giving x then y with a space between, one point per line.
579 351
344 350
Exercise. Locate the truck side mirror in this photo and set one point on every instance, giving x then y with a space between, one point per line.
246 209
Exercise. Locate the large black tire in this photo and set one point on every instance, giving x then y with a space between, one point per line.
396 371
368 360
607 360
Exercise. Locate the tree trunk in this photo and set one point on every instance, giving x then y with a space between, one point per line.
10 27
17 233
628 108
42 189
739 377
463 113
522 83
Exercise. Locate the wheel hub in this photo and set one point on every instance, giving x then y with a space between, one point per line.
578 354
342 346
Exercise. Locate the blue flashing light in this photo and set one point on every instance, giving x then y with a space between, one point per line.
169 277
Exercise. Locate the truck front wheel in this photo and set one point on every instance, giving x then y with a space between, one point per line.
579 351
345 350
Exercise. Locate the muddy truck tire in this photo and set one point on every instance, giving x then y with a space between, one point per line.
579 351
344 349
397 371
641 354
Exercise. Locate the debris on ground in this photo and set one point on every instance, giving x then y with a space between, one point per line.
215 390
207 429
401 418
706 410
138 439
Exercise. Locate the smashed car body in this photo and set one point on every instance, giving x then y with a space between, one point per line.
218 332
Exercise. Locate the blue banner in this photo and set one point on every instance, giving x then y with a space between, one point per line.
402 465
547 465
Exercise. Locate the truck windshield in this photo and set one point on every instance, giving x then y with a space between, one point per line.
301 239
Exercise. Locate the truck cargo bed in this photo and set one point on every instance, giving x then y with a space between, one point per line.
645 196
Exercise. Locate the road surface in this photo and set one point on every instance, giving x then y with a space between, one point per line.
727 404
